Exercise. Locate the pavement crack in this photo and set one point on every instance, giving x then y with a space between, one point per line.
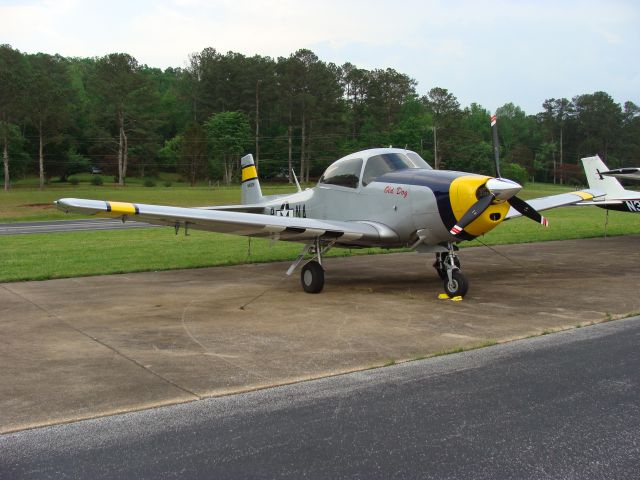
207 351
100 342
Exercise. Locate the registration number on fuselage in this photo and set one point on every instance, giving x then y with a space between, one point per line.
633 205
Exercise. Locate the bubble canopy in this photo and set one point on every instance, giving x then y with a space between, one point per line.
364 167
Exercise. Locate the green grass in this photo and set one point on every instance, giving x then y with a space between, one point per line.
57 255
60 255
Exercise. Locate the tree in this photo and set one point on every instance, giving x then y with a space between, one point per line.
125 99
355 84
445 110
630 138
554 117
12 74
599 123
49 93
229 135
388 91
193 153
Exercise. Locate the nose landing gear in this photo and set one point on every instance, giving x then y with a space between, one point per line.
447 265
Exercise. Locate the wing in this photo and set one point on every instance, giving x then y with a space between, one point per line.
239 223
624 173
554 201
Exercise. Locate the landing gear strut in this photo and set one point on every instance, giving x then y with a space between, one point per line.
447 265
312 274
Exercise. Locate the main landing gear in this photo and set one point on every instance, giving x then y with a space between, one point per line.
312 274
312 277
447 265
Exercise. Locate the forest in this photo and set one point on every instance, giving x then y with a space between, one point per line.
63 116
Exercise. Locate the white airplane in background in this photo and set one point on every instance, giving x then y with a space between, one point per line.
616 197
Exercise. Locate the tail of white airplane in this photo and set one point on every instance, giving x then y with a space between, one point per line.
251 191
593 166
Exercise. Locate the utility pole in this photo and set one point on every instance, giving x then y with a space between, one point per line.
436 162
561 159
258 121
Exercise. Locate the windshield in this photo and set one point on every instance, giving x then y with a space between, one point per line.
391 162
345 173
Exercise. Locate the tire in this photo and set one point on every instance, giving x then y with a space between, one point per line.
312 277
458 286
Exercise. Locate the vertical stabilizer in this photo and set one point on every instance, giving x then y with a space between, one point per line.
593 166
251 191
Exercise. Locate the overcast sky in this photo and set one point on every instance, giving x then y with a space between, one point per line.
489 52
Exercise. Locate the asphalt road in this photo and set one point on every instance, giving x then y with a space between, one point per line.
565 405
52 226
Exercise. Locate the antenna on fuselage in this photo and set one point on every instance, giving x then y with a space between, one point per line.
296 179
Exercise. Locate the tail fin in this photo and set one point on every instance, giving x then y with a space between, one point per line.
592 168
251 191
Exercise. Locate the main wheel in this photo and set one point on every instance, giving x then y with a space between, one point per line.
312 277
458 286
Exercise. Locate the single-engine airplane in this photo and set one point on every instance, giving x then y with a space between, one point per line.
616 197
382 197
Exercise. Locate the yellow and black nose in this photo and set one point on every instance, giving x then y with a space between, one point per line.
479 203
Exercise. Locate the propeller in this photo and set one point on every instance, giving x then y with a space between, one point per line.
499 189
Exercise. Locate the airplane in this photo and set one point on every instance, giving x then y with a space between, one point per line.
380 197
616 197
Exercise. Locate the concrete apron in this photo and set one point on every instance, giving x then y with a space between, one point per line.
79 348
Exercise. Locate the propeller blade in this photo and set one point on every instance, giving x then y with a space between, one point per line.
496 144
470 215
527 210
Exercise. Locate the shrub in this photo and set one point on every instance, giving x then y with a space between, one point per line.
73 180
167 184
514 172
149 182
97 181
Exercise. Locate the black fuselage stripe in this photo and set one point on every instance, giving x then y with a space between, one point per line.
439 184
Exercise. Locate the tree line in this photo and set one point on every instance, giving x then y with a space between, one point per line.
60 116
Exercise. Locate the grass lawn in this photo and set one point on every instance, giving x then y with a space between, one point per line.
57 255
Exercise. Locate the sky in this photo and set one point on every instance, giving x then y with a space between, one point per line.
488 52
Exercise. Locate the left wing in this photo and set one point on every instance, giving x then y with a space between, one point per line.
238 223
553 201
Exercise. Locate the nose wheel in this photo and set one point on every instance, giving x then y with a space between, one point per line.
457 286
447 265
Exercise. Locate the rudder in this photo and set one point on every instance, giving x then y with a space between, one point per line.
251 191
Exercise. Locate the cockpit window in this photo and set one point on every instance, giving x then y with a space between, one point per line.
418 161
345 173
391 162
